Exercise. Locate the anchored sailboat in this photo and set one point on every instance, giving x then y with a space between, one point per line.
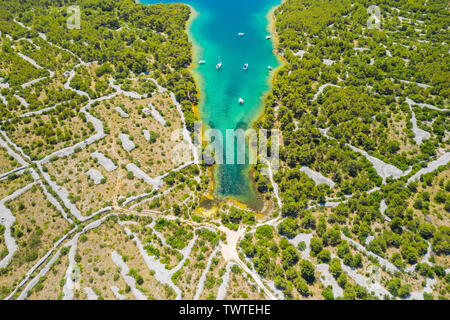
241 101
219 64
245 66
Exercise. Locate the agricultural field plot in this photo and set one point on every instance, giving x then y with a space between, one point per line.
188 277
175 233
94 178
40 135
155 245
162 263
92 185
433 121
93 79
214 278
399 129
99 271
89 194
17 71
7 162
180 194
38 226
289 262
47 93
46 55
344 170
432 199
274 258
141 85
14 182
240 286
151 138
8 26
51 285
361 124
165 200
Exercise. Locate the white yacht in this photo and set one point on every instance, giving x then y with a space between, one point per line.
202 62
269 67
268 37
245 66
240 34
241 101
219 64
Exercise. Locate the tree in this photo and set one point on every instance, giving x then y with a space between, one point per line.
301 246
327 293
404 291
447 204
289 257
333 236
288 227
321 226
335 267
264 231
290 209
349 292
342 249
342 280
393 286
316 245
302 287
424 269
440 196
308 221
426 230
396 260
324 256
176 209
357 261
409 253
307 271
396 224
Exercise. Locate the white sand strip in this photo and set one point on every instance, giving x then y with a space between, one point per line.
317 177
104 161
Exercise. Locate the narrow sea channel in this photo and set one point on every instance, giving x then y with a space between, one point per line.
215 34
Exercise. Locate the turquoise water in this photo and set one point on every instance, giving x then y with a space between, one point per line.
215 34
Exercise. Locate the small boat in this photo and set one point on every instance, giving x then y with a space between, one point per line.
202 62
269 67
268 37
240 34
245 66
219 64
241 101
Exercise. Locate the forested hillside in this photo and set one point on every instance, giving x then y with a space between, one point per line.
364 115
